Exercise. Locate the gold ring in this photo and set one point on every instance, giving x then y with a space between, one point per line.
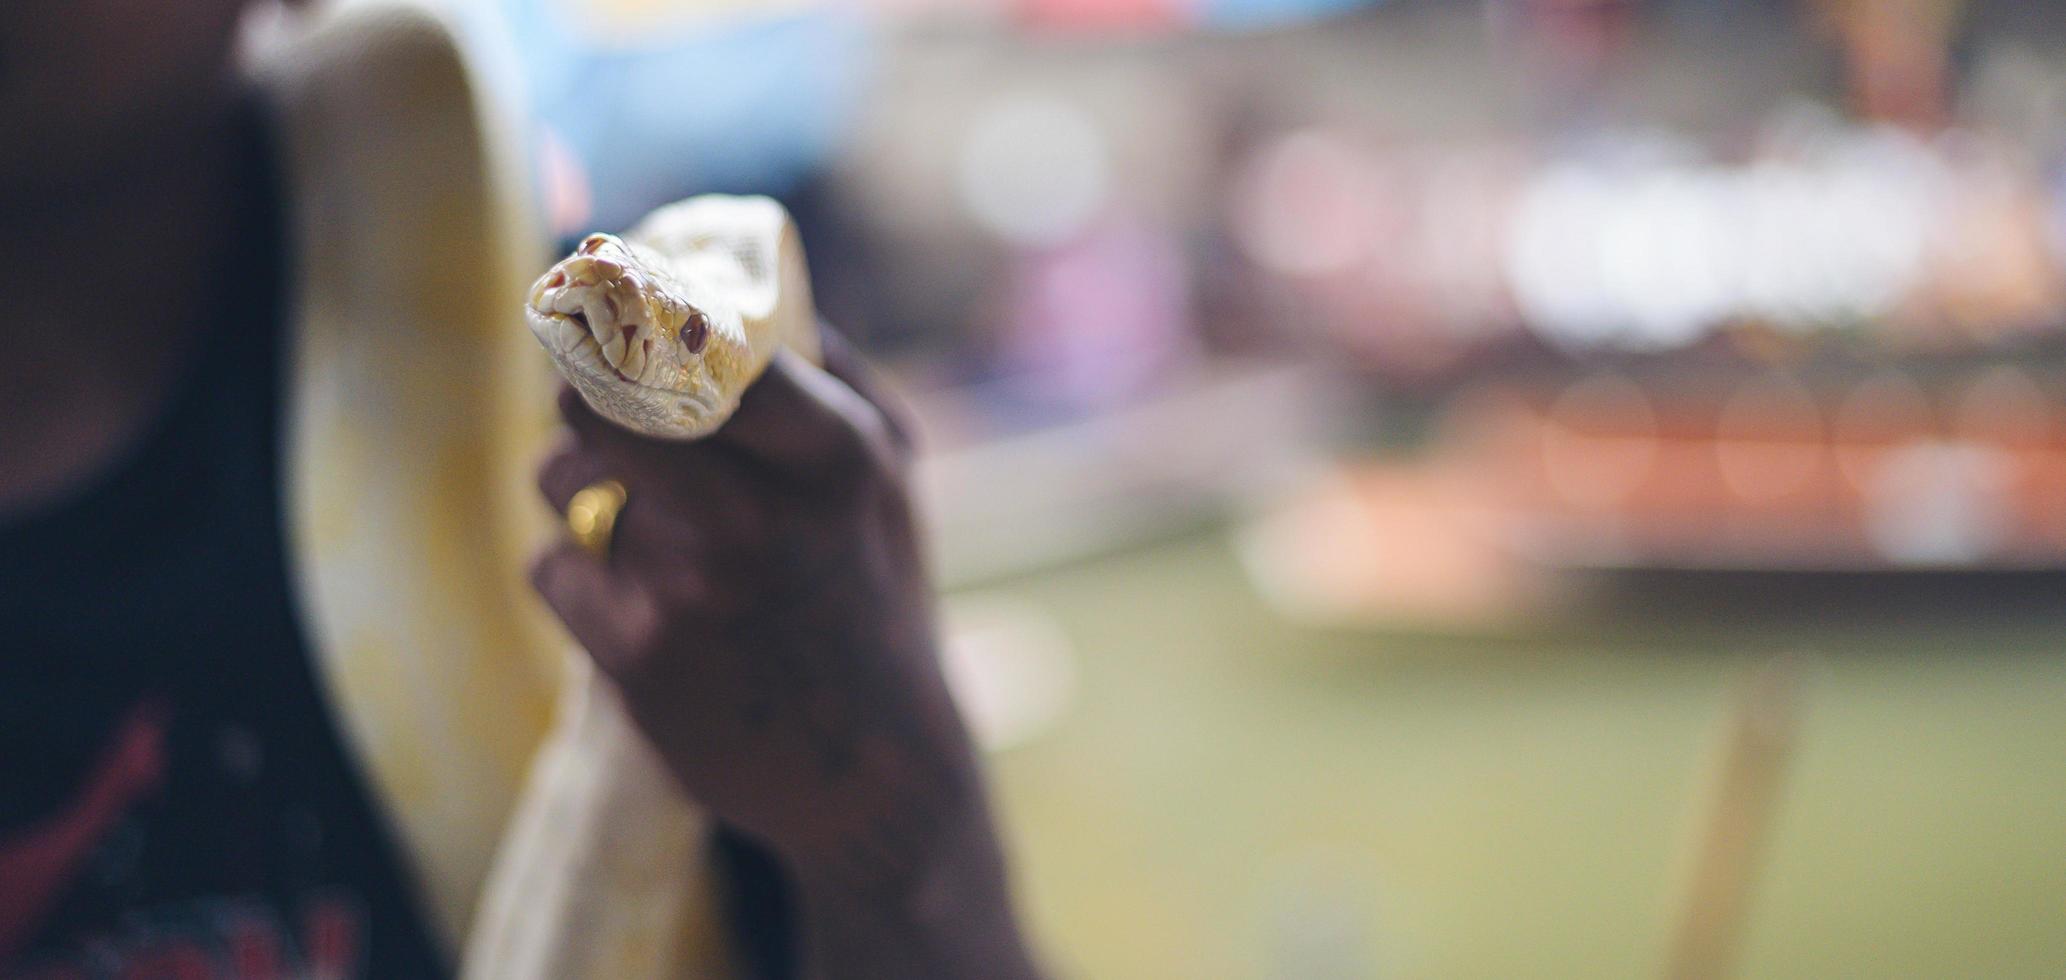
592 515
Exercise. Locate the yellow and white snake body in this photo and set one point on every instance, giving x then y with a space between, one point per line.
661 330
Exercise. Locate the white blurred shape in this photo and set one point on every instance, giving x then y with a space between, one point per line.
1784 262
1553 258
1664 257
1654 255
1010 666
1939 504
1880 228
1034 170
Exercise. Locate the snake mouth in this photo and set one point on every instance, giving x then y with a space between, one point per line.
570 336
579 342
589 338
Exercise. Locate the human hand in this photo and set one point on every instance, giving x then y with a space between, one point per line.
765 612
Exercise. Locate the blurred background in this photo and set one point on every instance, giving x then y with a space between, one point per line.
1442 488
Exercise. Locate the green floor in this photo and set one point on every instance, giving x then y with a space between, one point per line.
1234 797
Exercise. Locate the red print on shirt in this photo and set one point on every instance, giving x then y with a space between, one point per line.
37 863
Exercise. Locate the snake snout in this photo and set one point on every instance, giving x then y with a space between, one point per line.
600 295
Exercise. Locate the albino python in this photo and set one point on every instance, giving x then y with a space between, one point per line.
662 330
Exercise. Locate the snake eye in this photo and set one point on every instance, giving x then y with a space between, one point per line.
695 332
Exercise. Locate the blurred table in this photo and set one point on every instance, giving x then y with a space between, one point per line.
1232 796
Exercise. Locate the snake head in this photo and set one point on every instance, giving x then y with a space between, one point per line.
651 330
623 300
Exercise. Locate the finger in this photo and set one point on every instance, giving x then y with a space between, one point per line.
684 480
607 612
844 362
668 511
802 420
566 471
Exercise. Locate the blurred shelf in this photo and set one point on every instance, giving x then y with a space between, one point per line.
1013 503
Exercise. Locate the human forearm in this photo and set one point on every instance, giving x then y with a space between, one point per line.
942 909
766 615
